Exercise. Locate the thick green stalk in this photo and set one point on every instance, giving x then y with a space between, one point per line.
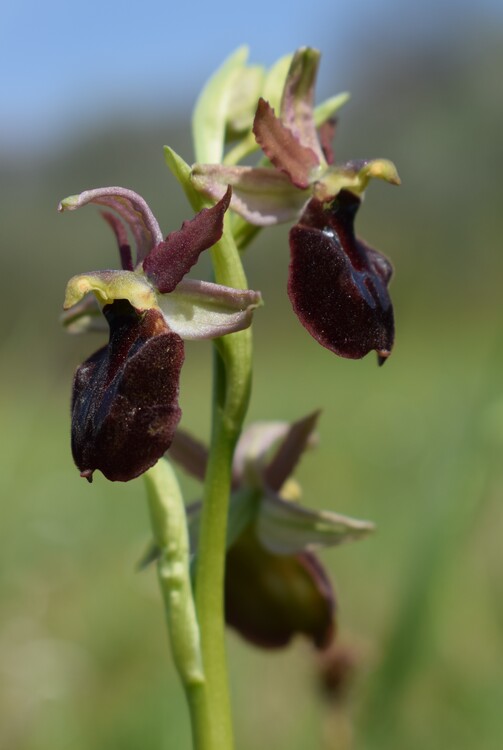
210 703
232 379
169 528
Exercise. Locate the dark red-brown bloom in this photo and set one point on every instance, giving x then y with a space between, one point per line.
125 396
338 285
271 598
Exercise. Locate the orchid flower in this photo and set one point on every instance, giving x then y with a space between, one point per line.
337 284
298 151
125 396
275 586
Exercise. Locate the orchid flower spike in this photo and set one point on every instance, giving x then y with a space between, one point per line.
125 396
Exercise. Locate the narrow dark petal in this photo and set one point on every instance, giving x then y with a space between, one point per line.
125 397
169 261
189 453
281 146
337 284
119 230
270 598
289 451
326 133
130 206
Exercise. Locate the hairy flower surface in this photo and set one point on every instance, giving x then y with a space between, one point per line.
125 397
275 586
337 284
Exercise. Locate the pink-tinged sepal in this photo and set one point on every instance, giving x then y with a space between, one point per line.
337 284
283 149
326 134
125 397
198 310
261 195
297 104
120 232
132 209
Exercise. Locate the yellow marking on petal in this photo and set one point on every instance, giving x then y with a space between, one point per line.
109 286
291 490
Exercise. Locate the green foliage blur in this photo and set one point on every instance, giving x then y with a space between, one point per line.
414 446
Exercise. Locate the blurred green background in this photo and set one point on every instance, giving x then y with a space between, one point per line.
414 446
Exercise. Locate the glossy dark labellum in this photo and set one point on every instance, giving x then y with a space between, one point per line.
271 598
338 284
125 396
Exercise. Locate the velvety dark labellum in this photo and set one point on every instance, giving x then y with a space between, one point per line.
271 598
125 397
337 284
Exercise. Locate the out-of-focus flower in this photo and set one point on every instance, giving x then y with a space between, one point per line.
275 586
125 396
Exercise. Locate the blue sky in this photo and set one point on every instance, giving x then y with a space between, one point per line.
67 65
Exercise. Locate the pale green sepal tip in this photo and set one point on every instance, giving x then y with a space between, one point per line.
69 203
382 169
109 286
329 107
346 178
178 166
182 171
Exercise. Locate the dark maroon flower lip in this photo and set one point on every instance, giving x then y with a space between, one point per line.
269 599
338 284
125 396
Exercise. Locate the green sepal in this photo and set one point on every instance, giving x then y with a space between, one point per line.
285 527
272 92
329 107
209 122
182 171
247 88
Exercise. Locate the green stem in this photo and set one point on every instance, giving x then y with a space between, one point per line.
169 527
232 379
231 392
